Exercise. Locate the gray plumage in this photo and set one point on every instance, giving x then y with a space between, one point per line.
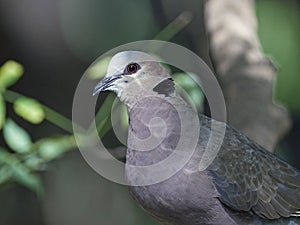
245 184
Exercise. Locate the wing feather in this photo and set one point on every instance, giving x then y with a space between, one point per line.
249 178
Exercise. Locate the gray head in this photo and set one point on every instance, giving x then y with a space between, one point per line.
131 74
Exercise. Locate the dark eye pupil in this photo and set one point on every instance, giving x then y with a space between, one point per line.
132 68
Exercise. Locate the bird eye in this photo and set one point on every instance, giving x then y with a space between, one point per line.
132 68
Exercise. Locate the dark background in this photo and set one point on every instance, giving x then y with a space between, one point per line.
57 40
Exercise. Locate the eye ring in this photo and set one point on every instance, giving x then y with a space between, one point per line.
132 68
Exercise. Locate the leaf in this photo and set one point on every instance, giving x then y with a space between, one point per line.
5 160
197 97
10 73
188 83
98 70
184 80
5 174
29 109
22 175
51 148
16 137
33 162
2 111
12 168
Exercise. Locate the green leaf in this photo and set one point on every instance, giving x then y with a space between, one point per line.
22 175
51 148
12 168
2 111
5 174
33 162
98 70
29 109
10 73
188 83
197 97
16 137
184 80
7 157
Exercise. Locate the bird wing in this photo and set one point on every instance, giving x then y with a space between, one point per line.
249 178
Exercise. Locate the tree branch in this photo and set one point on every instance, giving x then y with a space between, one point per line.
245 74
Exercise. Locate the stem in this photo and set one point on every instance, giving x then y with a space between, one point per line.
105 127
175 26
52 116
104 112
58 119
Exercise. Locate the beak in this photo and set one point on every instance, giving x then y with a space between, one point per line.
105 83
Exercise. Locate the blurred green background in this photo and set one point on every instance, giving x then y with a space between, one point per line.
56 41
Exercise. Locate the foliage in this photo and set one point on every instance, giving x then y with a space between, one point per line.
23 158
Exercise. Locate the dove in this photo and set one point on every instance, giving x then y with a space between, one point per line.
244 183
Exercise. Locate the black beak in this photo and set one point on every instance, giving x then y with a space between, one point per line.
105 83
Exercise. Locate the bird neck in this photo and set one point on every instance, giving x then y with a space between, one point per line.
154 130
147 88
160 126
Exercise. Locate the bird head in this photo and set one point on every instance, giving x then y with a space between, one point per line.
131 74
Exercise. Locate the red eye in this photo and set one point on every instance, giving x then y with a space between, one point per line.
132 68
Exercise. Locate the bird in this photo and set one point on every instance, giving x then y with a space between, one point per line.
244 184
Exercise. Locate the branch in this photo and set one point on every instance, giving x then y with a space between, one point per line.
245 74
